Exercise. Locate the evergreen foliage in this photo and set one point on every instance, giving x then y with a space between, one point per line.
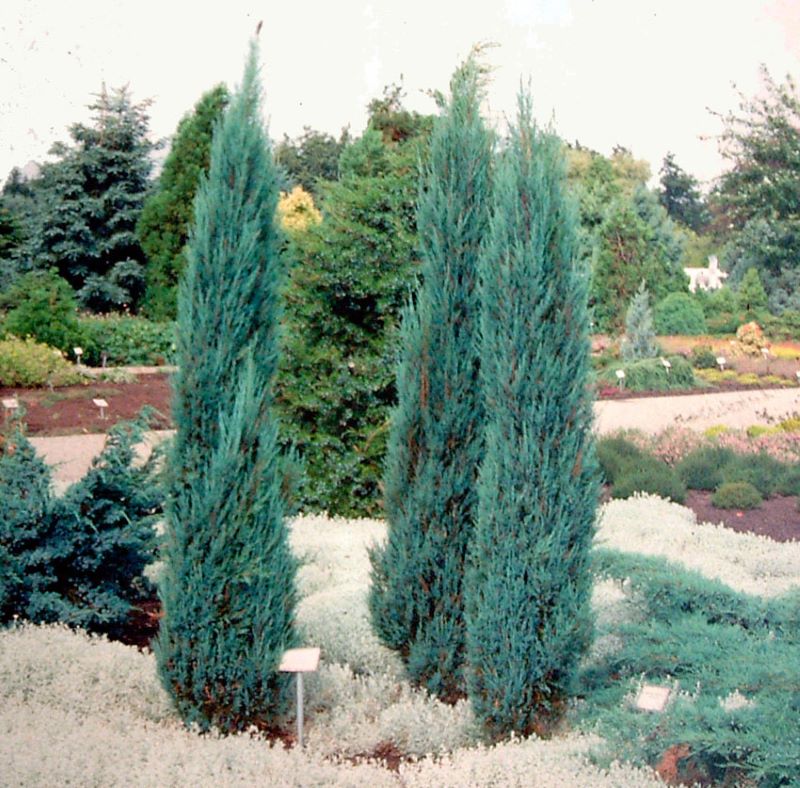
351 275
40 304
100 536
631 245
639 340
528 585
680 196
751 297
79 559
88 202
679 313
25 496
312 158
436 442
228 587
163 226
759 196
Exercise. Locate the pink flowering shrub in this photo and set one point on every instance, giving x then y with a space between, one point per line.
674 443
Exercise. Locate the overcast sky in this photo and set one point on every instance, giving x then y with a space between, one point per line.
639 73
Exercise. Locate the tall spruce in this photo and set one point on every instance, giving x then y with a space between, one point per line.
435 442
527 588
229 584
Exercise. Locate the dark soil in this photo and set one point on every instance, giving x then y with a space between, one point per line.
70 410
777 517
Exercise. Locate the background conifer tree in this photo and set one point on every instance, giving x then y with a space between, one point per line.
163 226
435 442
528 584
639 340
228 589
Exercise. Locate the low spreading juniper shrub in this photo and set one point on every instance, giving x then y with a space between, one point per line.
649 475
729 657
737 495
80 558
702 468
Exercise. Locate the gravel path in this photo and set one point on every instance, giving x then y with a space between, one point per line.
71 455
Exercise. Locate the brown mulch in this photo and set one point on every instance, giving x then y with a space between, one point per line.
777 517
70 410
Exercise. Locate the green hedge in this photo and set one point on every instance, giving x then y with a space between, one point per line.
126 340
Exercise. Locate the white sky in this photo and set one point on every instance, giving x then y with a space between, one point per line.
639 73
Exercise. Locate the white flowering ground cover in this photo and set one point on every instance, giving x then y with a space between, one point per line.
76 710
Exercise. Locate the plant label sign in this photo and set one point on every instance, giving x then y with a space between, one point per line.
299 661
652 698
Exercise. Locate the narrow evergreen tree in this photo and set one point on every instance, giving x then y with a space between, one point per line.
435 442
228 589
528 585
639 340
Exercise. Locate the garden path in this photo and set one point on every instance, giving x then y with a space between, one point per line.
71 455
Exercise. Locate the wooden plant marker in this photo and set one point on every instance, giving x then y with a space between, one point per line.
300 661
102 404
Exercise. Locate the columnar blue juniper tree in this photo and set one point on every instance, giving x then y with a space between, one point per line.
228 590
640 337
435 443
527 586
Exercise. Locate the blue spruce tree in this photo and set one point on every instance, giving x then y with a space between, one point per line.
435 443
527 586
229 586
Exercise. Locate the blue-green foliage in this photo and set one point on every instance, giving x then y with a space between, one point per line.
435 442
715 642
79 559
228 587
24 504
528 584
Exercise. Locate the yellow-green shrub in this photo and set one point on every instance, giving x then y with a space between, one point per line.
27 363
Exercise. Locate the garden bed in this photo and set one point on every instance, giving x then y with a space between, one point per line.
69 410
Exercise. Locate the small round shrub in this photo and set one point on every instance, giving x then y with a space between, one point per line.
761 470
679 313
701 469
649 476
736 495
703 357
614 454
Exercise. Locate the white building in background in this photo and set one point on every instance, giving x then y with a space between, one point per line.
710 278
